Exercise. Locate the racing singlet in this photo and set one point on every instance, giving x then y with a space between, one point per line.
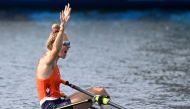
49 87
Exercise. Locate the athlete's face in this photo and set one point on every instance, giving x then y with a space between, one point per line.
63 52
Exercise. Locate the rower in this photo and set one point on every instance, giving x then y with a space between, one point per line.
48 78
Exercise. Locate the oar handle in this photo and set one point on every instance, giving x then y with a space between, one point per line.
81 90
92 95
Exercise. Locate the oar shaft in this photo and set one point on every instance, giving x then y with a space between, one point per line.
81 90
115 105
92 95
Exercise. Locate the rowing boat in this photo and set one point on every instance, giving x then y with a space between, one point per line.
101 100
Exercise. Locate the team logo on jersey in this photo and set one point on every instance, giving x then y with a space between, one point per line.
47 92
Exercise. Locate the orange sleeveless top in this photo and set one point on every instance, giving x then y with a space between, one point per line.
49 87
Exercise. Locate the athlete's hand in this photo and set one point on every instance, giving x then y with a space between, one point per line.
65 15
67 12
66 82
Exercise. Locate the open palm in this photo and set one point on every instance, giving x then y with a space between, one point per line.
65 15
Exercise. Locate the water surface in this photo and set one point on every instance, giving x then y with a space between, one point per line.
140 57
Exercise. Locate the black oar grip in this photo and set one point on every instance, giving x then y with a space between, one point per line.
68 84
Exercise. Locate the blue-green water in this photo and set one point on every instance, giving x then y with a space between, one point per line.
140 57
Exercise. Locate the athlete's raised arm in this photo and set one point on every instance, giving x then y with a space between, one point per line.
57 35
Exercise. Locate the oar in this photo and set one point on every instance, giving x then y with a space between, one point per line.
109 102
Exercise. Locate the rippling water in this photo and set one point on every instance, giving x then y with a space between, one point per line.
140 57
